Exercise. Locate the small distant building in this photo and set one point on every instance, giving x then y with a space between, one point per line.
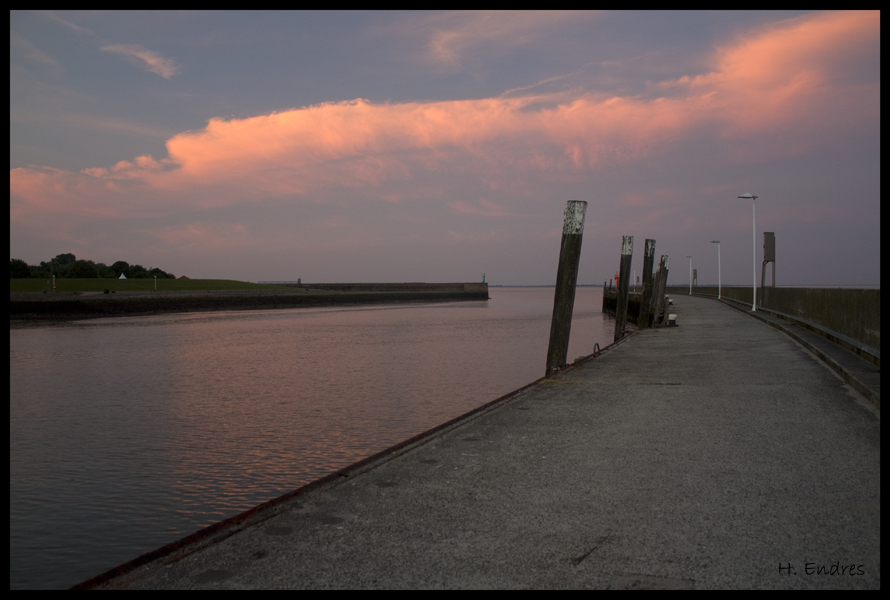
183 277
122 276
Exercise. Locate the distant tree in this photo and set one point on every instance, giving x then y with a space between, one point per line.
19 268
137 272
105 272
50 268
82 269
67 265
64 259
39 271
120 267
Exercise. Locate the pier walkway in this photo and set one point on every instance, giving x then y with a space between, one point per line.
716 454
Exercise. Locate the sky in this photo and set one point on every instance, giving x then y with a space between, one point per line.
441 146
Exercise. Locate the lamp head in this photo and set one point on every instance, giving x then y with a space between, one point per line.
748 196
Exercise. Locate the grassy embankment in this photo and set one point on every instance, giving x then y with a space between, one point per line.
132 285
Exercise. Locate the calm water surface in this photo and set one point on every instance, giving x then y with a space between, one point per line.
130 433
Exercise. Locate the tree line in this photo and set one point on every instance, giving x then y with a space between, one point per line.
67 265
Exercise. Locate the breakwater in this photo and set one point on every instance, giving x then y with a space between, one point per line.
36 306
473 289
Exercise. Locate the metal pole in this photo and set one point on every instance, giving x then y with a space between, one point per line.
566 278
627 250
719 288
648 259
754 238
753 199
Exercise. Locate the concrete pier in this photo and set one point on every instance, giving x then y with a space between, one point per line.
718 454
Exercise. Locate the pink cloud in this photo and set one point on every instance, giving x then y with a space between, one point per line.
43 194
202 238
484 207
790 72
359 144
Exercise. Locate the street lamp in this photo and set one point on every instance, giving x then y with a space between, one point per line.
718 266
690 274
753 199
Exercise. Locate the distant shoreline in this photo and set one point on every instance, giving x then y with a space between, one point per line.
35 308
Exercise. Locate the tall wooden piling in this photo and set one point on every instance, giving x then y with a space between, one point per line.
627 251
566 278
662 283
648 259
653 303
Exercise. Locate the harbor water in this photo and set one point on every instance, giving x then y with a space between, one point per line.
129 433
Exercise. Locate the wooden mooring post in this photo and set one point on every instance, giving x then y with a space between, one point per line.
646 299
627 251
566 279
653 303
658 299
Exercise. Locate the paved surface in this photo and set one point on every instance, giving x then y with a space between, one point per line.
863 375
716 454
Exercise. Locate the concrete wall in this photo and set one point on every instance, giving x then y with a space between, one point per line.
855 313
610 300
469 288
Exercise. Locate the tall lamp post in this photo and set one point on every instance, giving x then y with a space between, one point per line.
718 267
690 274
753 199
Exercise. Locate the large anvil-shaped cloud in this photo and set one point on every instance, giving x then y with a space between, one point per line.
786 84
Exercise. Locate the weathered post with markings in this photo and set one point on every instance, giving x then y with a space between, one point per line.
662 282
653 303
627 251
648 259
566 278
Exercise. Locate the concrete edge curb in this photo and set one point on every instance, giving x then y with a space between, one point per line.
585 359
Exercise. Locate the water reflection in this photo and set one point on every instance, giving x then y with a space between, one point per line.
126 434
